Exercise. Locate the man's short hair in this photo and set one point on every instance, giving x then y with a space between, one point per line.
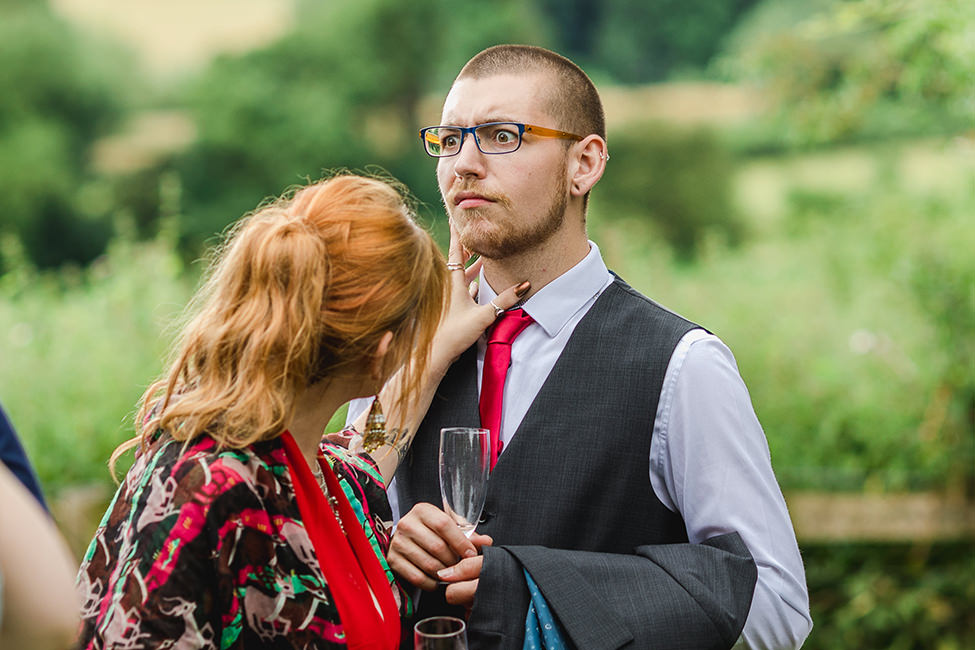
573 100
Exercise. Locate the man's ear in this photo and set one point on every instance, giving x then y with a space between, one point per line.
379 356
588 164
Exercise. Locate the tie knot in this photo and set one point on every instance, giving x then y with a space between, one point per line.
509 326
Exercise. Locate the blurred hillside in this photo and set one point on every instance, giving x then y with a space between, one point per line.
178 37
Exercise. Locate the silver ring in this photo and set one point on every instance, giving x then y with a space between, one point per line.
455 266
497 310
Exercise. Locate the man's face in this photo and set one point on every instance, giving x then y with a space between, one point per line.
503 204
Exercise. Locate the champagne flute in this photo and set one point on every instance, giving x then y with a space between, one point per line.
440 633
465 461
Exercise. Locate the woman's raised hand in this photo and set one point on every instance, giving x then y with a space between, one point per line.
460 326
464 320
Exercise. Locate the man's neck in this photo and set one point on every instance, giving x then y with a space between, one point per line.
539 265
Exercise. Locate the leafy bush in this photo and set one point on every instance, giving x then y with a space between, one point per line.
892 596
857 70
79 350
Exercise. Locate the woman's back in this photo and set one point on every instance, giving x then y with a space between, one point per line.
208 546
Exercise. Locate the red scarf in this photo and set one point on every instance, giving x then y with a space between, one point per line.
348 562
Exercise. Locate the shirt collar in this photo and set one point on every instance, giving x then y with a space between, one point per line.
555 303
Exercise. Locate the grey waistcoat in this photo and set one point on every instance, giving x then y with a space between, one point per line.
576 474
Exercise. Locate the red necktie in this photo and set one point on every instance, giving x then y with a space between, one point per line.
497 358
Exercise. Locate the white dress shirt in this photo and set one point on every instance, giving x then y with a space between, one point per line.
709 459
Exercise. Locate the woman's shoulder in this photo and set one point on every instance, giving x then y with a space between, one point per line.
361 481
190 468
358 464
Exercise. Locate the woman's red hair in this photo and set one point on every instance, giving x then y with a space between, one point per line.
302 290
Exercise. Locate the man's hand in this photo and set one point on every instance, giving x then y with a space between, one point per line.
427 541
463 578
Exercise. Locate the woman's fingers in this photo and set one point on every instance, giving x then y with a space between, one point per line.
456 253
471 275
467 282
454 249
509 297
456 259
472 271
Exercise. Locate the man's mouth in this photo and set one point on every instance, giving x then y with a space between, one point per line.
466 200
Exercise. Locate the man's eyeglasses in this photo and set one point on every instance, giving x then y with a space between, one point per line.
491 138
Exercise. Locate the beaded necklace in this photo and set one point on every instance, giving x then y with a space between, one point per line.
333 501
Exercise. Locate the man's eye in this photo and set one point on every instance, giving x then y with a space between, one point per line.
504 137
449 141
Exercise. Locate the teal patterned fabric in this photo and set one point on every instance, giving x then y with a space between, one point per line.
542 629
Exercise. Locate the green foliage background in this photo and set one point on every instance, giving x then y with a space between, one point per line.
51 111
828 240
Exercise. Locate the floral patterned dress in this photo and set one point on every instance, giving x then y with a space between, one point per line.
205 548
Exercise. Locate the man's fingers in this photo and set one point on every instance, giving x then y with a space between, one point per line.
461 593
412 561
458 546
426 541
433 533
410 572
479 540
463 577
467 569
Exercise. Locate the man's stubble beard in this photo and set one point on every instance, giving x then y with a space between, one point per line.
501 244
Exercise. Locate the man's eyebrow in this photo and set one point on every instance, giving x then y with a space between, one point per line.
499 118
487 120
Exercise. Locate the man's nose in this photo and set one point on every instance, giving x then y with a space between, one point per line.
470 159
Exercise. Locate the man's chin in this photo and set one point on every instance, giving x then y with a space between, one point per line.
475 231
485 247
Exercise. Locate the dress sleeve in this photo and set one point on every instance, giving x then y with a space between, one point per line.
150 574
366 491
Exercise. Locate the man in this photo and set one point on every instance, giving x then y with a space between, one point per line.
633 482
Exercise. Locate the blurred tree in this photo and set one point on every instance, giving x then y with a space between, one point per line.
860 68
58 92
342 90
679 180
634 41
575 24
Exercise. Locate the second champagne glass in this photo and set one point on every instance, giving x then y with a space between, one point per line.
465 461
440 633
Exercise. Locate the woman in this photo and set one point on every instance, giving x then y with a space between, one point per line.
238 526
